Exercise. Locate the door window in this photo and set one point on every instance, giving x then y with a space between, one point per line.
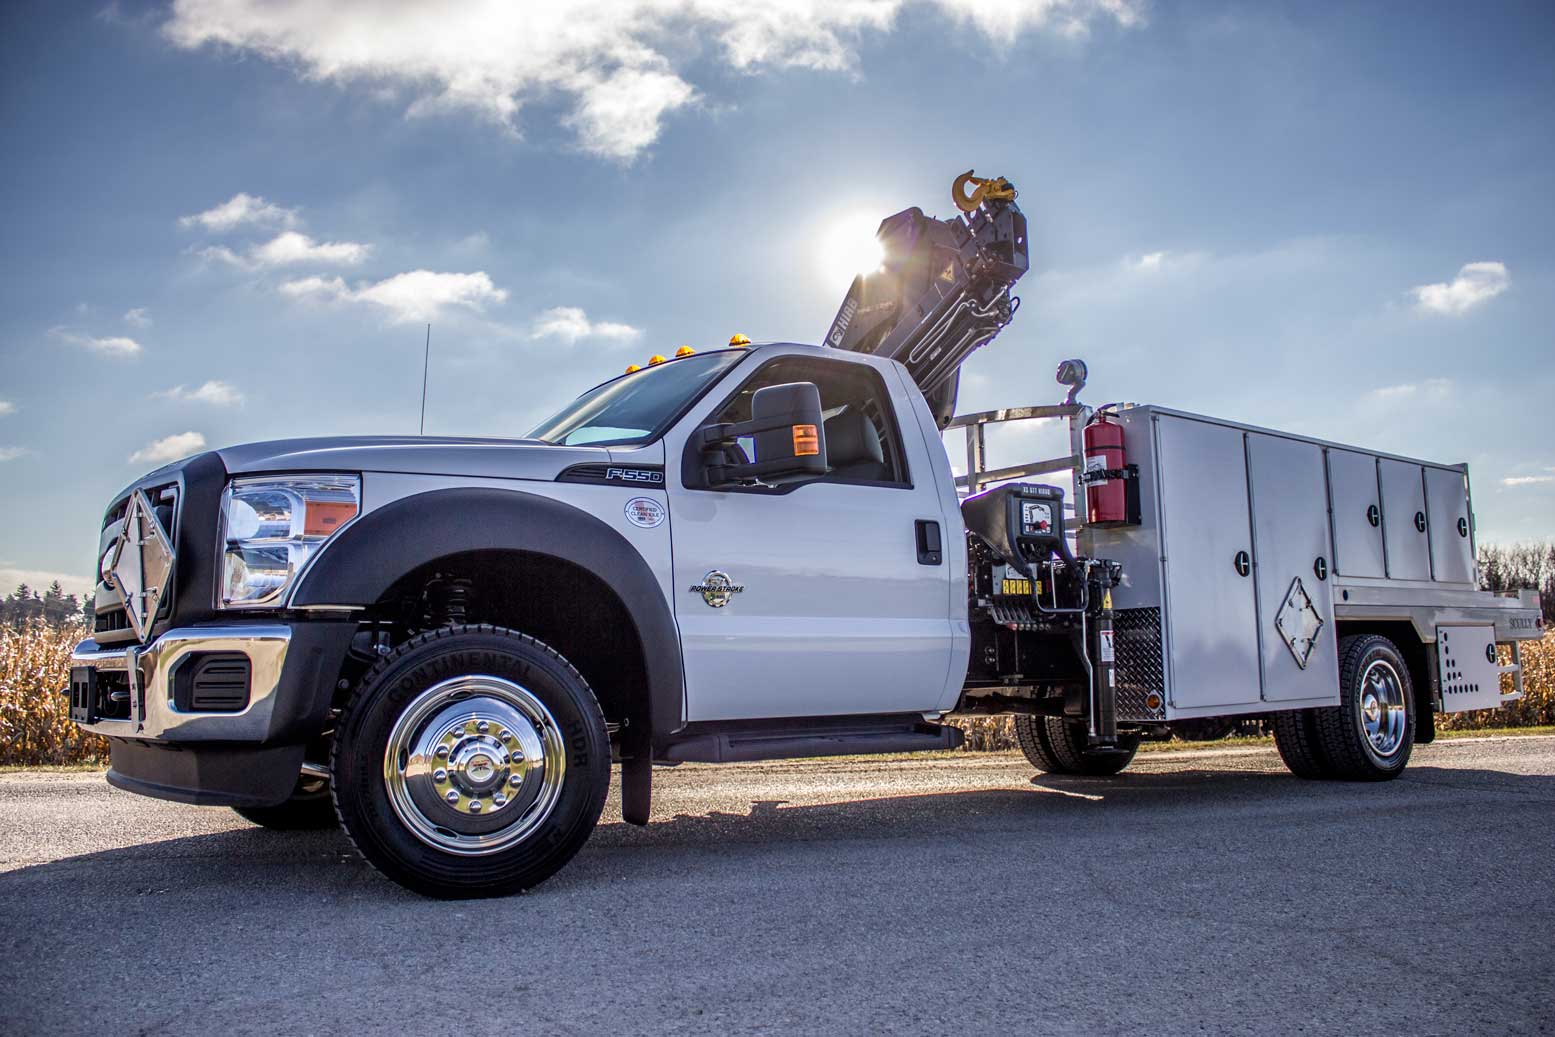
863 441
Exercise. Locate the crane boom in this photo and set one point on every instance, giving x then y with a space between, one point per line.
942 290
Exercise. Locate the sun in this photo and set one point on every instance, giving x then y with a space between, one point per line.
849 247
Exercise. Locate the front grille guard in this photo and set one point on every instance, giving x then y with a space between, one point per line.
110 621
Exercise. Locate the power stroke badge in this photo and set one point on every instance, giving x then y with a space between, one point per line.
644 512
717 589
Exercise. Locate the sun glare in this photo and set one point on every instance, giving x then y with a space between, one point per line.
849 247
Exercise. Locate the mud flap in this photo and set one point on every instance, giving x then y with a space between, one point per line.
636 789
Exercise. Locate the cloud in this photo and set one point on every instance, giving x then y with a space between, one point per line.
1431 389
1475 285
240 210
169 448
11 453
7 407
139 317
290 248
218 393
1527 480
1160 262
113 345
1008 19
617 66
571 323
416 295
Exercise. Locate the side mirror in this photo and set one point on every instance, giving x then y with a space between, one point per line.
790 439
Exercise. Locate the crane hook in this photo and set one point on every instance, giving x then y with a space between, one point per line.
986 189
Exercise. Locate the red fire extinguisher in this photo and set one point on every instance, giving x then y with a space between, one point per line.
1106 491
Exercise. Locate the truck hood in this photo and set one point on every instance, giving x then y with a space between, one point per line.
429 455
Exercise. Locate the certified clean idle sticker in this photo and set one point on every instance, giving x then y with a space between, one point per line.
645 512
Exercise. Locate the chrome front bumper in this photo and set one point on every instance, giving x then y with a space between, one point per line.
150 668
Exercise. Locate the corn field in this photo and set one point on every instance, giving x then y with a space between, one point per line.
35 725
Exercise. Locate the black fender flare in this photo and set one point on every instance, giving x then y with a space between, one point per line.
388 542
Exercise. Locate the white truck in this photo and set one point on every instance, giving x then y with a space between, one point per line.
762 552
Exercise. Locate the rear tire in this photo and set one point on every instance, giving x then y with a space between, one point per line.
1295 736
1370 734
1058 746
309 808
472 761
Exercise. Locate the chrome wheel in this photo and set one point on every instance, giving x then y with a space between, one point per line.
1384 715
474 764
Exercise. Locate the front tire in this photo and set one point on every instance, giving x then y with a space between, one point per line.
473 761
1370 734
1058 746
309 808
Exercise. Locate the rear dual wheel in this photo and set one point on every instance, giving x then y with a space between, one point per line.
1370 734
1058 745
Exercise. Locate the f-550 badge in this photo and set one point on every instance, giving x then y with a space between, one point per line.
717 589
643 476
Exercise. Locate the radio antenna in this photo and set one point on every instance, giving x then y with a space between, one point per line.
426 361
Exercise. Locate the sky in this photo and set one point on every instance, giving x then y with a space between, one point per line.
227 221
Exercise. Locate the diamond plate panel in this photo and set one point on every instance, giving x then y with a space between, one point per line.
1140 670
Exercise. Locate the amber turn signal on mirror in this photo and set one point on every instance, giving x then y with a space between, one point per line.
806 441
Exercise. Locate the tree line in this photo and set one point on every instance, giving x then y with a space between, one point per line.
25 606
1510 567
1502 567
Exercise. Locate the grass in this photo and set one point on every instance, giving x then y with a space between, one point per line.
93 767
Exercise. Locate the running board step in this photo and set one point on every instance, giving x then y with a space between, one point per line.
773 743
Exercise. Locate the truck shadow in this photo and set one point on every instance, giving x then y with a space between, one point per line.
1048 808
1054 804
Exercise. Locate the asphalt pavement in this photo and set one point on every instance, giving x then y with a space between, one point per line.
1201 892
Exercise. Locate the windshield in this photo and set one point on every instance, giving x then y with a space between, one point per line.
635 407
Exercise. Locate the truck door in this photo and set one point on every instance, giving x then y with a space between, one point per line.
815 599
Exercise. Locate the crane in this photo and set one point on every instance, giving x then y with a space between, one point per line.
942 290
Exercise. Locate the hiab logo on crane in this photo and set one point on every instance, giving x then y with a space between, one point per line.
844 318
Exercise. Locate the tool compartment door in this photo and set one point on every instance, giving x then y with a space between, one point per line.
1447 507
1212 643
1291 555
1469 671
1352 487
1404 519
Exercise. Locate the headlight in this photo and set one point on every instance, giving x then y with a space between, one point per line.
272 526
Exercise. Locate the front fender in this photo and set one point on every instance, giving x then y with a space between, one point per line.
383 545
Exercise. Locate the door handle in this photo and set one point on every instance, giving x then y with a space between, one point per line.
931 550
1243 563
